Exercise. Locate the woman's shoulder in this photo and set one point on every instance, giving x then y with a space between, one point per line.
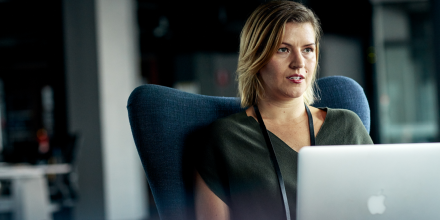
229 121
337 114
343 126
231 125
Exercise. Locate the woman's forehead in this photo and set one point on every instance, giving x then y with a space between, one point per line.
299 33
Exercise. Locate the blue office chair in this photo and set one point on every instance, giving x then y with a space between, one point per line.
162 119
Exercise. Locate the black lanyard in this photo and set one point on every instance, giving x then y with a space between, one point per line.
273 157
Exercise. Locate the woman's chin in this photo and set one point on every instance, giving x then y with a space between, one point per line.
291 97
295 95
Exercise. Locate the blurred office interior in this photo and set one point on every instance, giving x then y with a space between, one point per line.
67 68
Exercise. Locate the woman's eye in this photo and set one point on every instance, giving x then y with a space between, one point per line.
283 50
308 50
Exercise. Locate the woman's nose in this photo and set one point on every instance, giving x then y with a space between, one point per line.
297 60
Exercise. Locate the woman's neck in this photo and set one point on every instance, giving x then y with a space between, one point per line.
281 112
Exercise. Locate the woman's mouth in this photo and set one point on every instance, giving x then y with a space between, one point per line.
296 78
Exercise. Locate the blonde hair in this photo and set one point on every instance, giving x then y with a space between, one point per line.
259 40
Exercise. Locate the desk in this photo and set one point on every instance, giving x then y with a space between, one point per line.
30 197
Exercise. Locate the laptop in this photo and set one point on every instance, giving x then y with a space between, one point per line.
389 181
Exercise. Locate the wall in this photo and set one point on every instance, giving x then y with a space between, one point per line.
101 70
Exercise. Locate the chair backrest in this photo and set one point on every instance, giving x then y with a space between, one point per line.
343 92
161 118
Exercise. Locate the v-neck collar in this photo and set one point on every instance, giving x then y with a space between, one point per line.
254 122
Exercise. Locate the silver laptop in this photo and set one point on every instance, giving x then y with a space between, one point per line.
392 181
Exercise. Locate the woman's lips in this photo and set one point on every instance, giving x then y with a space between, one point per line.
296 78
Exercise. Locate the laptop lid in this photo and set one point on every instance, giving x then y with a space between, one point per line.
392 181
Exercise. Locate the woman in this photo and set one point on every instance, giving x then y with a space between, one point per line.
236 176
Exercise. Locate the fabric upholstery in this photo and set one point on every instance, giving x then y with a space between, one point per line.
343 92
162 118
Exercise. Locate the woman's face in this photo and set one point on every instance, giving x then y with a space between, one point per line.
290 70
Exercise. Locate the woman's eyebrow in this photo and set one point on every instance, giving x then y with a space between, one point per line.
311 44
303 46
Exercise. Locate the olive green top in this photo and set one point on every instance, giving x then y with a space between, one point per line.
235 162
